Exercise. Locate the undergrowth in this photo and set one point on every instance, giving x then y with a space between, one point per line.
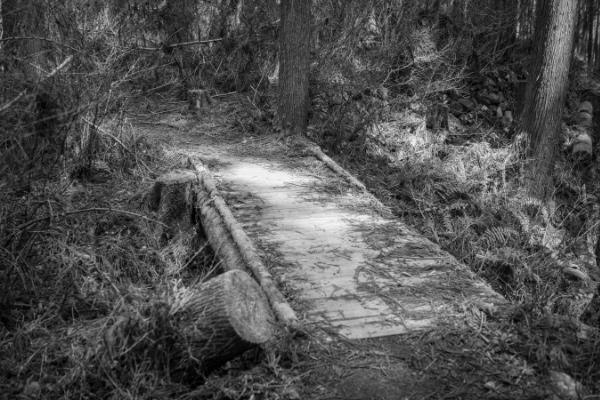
78 253
460 183
471 200
84 269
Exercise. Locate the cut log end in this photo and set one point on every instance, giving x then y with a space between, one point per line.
232 307
248 309
223 318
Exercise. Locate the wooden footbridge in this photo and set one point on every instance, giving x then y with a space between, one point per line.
340 258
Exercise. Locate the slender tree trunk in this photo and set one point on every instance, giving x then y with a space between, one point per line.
596 43
511 16
532 6
547 87
1 26
580 28
294 58
590 32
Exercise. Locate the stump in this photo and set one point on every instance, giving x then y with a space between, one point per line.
171 197
198 99
220 319
437 117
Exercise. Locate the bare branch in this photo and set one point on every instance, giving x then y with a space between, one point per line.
106 133
183 44
15 38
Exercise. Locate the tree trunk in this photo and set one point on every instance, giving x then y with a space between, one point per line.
1 26
596 44
547 87
294 58
590 32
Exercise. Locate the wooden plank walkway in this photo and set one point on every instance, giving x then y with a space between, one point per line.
345 262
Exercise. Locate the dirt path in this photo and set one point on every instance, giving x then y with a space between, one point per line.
345 261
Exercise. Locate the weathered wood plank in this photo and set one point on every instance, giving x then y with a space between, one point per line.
349 266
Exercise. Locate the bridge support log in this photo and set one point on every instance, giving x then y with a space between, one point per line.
243 245
182 195
216 232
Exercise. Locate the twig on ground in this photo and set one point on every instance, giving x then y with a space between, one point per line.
16 38
106 133
224 94
183 44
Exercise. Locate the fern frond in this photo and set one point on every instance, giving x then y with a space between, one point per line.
503 255
499 236
532 206
459 205
447 191
523 220
448 225
464 223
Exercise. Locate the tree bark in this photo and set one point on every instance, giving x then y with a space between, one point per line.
546 89
294 58
217 233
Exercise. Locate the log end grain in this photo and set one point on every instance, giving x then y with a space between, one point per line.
248 308
222 318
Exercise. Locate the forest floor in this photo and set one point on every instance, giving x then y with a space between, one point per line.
101 255
480 356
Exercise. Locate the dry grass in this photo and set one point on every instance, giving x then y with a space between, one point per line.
470 199
467 198
84 288
85 281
